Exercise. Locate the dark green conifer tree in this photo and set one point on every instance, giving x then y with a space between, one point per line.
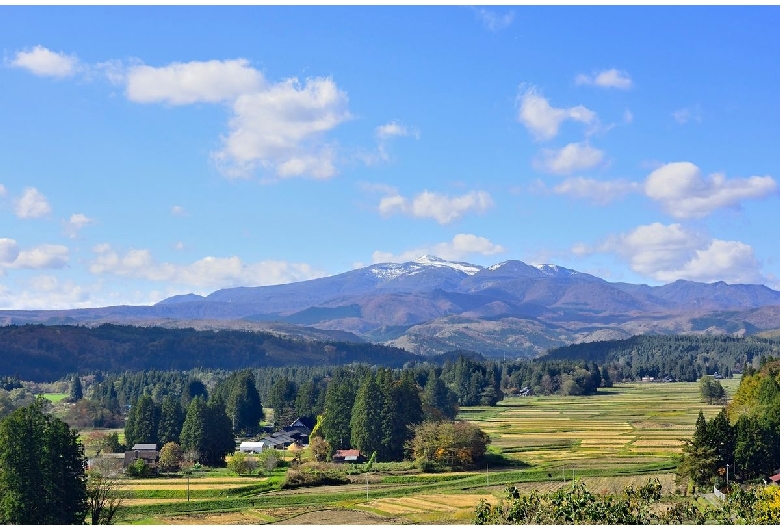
366 422
42 470
171 420
339 400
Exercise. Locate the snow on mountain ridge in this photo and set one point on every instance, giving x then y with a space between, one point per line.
392 270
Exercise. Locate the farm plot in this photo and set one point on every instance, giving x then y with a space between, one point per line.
646 420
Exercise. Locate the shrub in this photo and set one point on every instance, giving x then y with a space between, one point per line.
312 474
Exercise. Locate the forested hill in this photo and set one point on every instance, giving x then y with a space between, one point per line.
683 357
47 353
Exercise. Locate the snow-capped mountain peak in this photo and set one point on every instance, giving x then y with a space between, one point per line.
549 269
391 270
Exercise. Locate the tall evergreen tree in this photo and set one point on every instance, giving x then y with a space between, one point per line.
207 430
243 405
339 400
366 422
76 390
42 470
439 402
281 398
193 430
142 422
171 420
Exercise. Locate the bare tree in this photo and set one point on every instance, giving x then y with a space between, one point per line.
104 490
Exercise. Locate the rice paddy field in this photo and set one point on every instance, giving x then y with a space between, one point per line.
620 437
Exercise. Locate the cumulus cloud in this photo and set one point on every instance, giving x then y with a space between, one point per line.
611 78
684 115
44 62
45 292
32 204
670 252
542 119
684 192
443 208
9 250
573 157
40 257
461 246
597 191
192 82
395 129
207 273
492 20
76 222
281 128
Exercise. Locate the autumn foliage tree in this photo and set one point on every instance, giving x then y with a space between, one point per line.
457 445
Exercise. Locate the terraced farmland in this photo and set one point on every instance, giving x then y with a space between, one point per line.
620 437
629 423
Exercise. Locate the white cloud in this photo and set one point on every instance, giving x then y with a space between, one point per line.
628 116
492 20
684 192
76 222
44 62
207 273
179 246
45 292
573 157
544 120
684 115
40 257
9 251
32 204
178 211
597 191
670 252
281 129
395 128
611 78
443 208
2 191
193 82
461 246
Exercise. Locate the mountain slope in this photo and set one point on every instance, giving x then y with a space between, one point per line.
433 305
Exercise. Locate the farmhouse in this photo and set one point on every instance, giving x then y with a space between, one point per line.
295 433
146 452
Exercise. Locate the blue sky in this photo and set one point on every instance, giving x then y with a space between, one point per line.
152 151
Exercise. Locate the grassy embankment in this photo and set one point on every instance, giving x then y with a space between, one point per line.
619 437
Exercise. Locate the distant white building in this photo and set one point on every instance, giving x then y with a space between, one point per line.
253 447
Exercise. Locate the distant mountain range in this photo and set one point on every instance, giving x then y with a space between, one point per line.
431 305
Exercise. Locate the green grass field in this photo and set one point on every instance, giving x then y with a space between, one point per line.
55 398
618 437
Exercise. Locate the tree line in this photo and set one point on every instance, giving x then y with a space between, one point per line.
681 357
743 441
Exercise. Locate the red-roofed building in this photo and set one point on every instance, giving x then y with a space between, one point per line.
348 456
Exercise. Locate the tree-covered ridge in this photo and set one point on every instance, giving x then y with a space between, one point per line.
47 353
682 357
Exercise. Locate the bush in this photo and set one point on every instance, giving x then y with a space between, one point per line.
139 468
312 474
